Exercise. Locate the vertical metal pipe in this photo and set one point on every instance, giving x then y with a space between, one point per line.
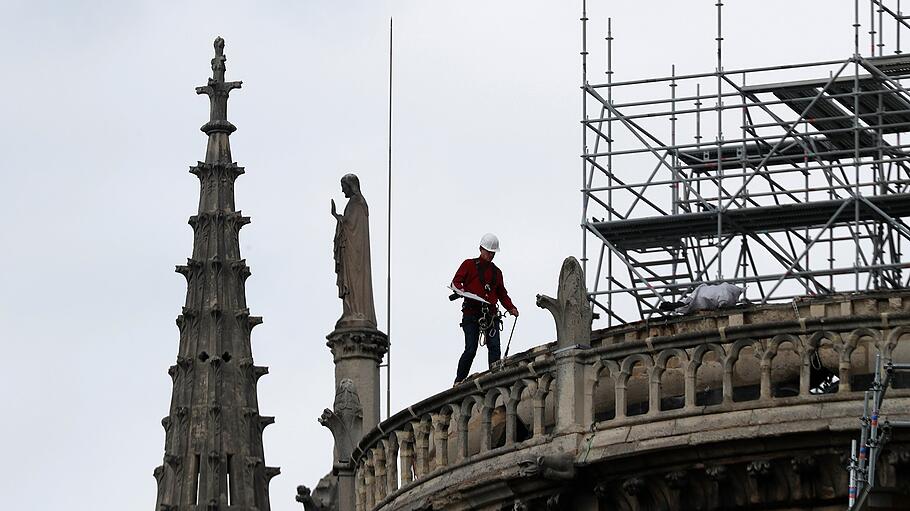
806 198
851 492
388 314
745 154
610 162
864 440
872 28
897 29
855 28
873 421
674 187
584 146
881 30
698 137
720 139
856 162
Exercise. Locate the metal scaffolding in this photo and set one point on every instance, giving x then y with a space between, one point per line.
787 180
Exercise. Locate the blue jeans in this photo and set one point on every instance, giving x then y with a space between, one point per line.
469 323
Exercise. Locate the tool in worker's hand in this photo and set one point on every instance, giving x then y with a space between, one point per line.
510 338
499 364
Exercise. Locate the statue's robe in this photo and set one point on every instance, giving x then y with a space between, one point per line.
352 264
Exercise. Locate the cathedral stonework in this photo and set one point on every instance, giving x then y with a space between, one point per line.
213 434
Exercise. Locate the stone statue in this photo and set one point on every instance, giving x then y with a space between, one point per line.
352 258
570 309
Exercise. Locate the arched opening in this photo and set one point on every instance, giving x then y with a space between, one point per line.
472 421
709 380
637 390
900 354
549 412
525 414
785 369
498 423
823 369
747 375
862 364
407 454
605 396
673 384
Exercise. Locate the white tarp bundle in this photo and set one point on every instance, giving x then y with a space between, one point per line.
711 297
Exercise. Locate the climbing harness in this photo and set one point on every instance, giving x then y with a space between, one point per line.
489 322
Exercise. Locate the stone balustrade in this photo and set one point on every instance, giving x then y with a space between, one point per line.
703 364
457 427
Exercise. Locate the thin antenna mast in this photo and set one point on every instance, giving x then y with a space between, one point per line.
388 303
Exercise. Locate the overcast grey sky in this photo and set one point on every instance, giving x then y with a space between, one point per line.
100 122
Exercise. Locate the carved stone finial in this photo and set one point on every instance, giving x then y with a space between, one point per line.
570 309
346 420
218 66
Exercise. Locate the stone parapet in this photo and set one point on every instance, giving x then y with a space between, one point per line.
717 407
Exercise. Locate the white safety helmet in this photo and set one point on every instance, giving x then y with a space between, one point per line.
490 242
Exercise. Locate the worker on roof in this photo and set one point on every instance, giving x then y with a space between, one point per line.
481 278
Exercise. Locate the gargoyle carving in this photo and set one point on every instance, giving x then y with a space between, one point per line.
570 308
554 468
346 420
323 498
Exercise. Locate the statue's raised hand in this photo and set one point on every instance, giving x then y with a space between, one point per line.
335 212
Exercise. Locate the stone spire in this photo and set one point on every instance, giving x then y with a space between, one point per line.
213 434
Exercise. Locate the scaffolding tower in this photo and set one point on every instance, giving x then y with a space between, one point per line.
787 180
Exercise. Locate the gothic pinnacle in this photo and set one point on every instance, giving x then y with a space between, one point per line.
218 128
213 433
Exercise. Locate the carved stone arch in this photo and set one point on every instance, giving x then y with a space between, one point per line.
468 404
660 363
519 387
894 336
777 340
699 353
815 340
450 409
631 360
737 347
391 441
489 399
661 383
853 338
608 365
544 384
602 391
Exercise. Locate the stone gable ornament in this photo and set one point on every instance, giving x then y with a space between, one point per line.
352 258
570 309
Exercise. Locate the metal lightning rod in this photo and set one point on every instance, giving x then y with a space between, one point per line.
388 303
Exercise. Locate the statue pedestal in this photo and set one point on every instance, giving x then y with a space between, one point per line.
357 353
